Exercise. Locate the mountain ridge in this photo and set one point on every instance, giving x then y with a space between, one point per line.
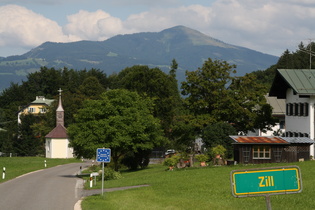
189 47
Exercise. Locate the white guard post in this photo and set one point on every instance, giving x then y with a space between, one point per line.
91 180
3 174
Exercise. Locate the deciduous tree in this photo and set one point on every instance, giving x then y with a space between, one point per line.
212 91
121 120
218 134
153 83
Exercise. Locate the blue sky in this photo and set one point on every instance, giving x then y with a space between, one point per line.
268 26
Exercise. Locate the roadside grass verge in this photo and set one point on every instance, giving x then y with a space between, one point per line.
195 188
17 166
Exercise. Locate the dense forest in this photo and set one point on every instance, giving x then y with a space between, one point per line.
300 59
211 96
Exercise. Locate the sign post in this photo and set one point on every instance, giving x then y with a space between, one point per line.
103 155
266 182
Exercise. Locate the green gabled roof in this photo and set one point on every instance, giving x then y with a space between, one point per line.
46 101
302 81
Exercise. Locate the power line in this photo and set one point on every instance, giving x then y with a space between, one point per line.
309 51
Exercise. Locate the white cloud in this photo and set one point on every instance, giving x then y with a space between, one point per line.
22 27
265 25
97 25
161 18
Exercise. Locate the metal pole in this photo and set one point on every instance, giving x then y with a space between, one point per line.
268 203
102 178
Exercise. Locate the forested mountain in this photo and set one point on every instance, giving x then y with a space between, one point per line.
189 47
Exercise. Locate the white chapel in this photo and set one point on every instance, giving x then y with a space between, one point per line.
57 140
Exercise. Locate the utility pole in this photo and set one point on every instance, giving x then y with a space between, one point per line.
309 51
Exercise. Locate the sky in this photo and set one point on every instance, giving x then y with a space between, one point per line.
268 26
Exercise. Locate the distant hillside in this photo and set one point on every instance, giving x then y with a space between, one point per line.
189 47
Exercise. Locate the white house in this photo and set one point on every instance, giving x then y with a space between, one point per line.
57 140
278 111
297 87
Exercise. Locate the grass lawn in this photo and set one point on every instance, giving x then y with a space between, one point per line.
195 188
16 166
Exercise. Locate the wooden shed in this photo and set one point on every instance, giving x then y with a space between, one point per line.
272 149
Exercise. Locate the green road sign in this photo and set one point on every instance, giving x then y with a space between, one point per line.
256 182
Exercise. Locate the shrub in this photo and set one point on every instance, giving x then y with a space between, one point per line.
134 160
218 150
110 174
172 161
202 158
218 134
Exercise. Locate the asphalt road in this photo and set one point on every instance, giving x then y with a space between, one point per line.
54 188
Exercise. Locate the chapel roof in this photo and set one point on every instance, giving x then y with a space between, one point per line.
58 132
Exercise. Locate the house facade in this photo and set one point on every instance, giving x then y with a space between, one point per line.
297 87
278 111
38 106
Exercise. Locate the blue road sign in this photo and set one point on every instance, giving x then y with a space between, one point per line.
103 155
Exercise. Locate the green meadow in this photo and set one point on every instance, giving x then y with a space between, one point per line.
195 188
17 166
190 188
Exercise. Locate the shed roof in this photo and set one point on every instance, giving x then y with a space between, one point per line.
301 140
259 140
271 140
302 81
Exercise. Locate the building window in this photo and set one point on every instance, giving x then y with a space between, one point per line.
301 109
246 154
261 152
31 110
277 152
296 109
306 109
42 110
290 109
289 134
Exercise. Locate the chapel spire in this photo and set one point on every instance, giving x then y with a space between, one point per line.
60 111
